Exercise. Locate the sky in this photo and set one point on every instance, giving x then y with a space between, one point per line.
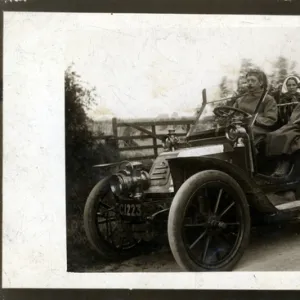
145 66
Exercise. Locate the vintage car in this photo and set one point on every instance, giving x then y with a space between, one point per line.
202 195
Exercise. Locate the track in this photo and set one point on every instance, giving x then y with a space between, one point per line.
271 249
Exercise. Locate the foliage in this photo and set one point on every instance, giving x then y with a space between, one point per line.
83 149
79 139
281 69
246 65
224 90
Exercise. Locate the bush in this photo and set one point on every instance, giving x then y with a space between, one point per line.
83 150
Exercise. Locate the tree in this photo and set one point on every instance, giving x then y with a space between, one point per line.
83 148
246 65
224 89
79 139
281 69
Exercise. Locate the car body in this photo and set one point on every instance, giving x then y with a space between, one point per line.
202 195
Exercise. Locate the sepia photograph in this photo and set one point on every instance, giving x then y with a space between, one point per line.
182 148
151 151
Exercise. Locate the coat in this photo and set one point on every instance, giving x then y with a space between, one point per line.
285 140
285 112
267 113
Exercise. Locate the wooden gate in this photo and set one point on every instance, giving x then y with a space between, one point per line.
147 129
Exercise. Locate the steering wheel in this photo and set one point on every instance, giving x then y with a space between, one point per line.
228 111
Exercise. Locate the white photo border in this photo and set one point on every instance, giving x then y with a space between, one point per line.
34 213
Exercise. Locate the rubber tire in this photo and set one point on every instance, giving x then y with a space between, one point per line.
175 219
97 242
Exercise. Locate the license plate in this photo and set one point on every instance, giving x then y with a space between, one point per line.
130 209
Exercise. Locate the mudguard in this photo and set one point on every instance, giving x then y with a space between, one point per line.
182 168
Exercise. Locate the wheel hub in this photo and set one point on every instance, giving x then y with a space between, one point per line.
214 223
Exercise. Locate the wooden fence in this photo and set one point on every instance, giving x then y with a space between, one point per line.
148 129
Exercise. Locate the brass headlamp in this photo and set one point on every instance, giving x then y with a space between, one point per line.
130 180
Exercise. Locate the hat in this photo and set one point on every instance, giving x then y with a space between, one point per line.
259 74
284 89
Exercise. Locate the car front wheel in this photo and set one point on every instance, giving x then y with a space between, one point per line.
105 230
209 222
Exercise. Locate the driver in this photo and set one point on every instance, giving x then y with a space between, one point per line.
267 113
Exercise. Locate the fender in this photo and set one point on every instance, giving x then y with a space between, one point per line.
182 168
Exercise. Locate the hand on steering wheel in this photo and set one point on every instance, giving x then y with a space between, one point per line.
228 111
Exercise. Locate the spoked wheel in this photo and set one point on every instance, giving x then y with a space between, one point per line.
105 229
209 223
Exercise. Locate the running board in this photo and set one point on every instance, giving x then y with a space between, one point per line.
289 205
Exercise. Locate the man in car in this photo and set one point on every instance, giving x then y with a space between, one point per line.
267 113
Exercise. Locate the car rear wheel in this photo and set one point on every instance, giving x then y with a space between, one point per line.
209 223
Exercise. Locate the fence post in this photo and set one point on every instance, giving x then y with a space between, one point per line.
115 132
115 128
188 127
154 141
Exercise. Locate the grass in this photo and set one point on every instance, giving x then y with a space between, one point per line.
79 252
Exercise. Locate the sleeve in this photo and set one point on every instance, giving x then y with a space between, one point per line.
284 99
236 102
285 112
270 113
295 117
233 99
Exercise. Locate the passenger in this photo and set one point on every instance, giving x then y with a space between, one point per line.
267 113
286 140
289 93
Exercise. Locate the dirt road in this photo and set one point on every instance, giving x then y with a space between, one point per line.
269 250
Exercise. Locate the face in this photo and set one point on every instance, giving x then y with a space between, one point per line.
253 83
291 86
243 85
